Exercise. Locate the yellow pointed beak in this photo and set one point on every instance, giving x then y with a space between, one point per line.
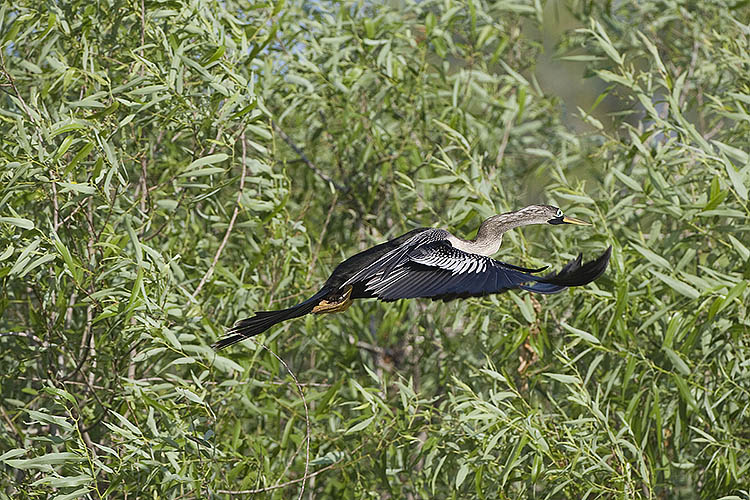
577 222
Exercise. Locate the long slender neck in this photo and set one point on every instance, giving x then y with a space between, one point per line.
494 227
490 234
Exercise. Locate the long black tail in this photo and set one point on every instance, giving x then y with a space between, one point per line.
263 320
573 274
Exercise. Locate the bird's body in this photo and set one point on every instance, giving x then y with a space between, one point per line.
432 263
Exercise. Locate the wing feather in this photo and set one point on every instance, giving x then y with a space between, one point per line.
438 270
387 263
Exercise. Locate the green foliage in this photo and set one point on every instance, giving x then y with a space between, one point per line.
167 168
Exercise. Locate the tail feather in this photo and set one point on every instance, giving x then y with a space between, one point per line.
263 320
573 274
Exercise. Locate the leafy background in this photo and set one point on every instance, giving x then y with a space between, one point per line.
169 167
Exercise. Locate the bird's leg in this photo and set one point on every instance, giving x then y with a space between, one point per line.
325 306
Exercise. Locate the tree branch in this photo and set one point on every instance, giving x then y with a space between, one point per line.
231 221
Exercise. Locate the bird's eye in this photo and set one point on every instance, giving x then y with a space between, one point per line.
559 213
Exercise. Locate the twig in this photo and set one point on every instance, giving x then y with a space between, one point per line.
55 206
13 85
288 483
27 335
322 234
290 461
307 423
231 221
143 31
301 154
166 221
504 142
144 186
85 350
11 425
279 486
213 144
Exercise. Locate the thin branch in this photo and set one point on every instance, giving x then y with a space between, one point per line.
27 335
55 206
231 221
504 141
144 187
322 235
279 486
301 154
167 220
13 85
307 428
288 483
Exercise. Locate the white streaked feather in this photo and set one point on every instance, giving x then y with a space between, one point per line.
459 266
455 263
398 255
376 284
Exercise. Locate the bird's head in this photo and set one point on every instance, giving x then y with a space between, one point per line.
541 214
553 215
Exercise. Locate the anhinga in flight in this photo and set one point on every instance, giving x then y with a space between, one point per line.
432 263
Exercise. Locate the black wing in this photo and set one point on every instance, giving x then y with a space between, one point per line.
437 270
384 264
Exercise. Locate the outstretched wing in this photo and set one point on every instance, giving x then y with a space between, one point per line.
437 270
386 263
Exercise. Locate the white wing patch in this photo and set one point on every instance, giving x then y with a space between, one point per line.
455 262
407 281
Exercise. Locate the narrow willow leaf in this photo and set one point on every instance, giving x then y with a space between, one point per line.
737 181
737 244
652 257
735 153
13 453
88 102
64 482
463 471
677 285
677 361
18 221
24 257
361 425
44 460
524 305
36 263
226 365
6 253
628 181
73 495
580 333
202 171
736 291
134 240
126 423
79 188
148 90
79 156
300 81
64 146
208 160
66 126
565 379
442 179
189 395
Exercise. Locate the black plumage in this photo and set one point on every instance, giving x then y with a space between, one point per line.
432 263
